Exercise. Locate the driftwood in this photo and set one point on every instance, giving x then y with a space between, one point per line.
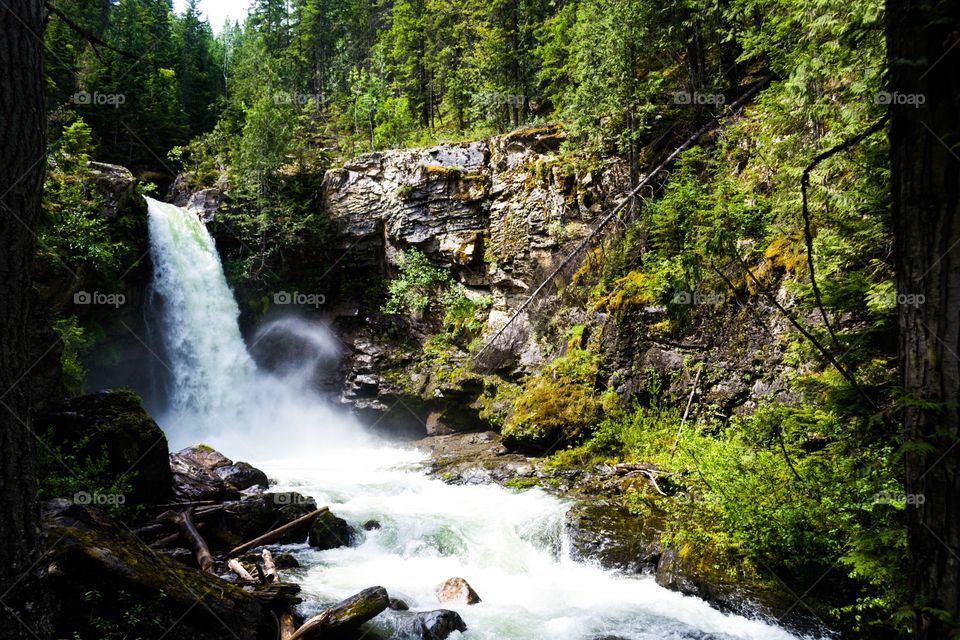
651 471
269 567
200 548
238 569
278 595
287 626
276 533
347 614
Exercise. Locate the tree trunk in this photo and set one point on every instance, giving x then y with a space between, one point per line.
924 97
22 138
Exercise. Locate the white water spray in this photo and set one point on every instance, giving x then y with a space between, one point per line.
508 544
218 394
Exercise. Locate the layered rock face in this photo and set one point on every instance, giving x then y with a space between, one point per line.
496 213
493 211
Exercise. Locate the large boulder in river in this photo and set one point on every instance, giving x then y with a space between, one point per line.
201 472
102 578
242 476
457 590
330 532
606 532
110 431
428 625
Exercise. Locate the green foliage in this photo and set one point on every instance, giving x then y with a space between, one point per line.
75 341
464 318
73 231
417 287
65 472
558 405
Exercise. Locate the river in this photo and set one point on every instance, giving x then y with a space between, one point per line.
508 544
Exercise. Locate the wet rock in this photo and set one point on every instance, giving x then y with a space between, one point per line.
457 590
114 183
246 519
371 525
205 457
98 572
606 532
242 475
195 483
330 532
114 425
399 605
429 625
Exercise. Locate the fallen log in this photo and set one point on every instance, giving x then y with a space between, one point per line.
276 533
238 569
200 548
346 614
269 567
278 595
287 626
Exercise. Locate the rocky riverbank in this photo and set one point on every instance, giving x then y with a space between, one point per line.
602 526
196 547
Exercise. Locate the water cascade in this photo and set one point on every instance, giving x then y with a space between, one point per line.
508 544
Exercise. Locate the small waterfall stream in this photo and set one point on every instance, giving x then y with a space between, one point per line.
506 543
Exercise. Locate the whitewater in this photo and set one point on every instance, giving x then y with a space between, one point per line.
508 544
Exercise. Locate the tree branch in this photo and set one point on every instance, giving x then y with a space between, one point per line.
807 232
89 37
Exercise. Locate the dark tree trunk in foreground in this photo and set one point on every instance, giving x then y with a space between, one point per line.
925 144
22 113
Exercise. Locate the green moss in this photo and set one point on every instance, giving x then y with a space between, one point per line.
558 405
521 483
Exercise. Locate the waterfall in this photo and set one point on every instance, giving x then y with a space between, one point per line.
216 393
508 544
206 356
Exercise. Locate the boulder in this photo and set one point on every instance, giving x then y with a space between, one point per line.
201 472
457 590
194 483
112 425
329 532
101 577
371 525
399 605
205 457
429 625
115 184
242 476
606 532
